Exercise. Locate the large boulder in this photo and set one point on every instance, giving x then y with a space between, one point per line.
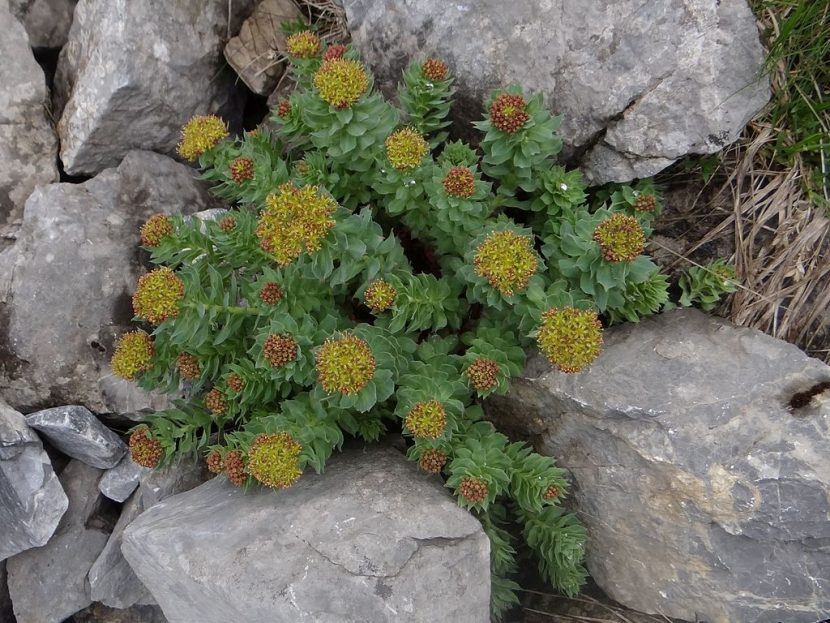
61 566
79 434
369 540
28 145
65 286
134 71
32 500
638 84
700 467
47 22
111 580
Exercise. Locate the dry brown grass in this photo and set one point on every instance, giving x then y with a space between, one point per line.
760 210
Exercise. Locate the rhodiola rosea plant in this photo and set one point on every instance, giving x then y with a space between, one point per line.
374 276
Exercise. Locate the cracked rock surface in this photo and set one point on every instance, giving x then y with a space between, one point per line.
638 84
68 282
371 539
704 493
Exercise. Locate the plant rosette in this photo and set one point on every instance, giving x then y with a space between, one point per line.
559 192
499 264
576 255
491 359
425 96
458 198
357 368
478 472
512 157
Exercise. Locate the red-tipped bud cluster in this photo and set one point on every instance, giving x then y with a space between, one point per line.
645 203
483 374
216 403
432 461
551 493
474 490
334 51
283 108
235 468
508 112
214 462
271 293
460 182
434 69
144 449
227 224
235 382
242 170
188 366
279 350
156 229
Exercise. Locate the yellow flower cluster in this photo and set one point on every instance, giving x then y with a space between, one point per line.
202 133
345 365
426 419
294 219
274 460
157 295
405 148
303 44
133 355
620 238
341 82
570 338
506 260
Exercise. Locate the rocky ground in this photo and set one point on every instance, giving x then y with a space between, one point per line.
699 472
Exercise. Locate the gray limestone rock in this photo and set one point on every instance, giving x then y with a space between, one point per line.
638 84
119 482
32 500
255 52
28 145
371 539
705 494
69 280
60 567
134 71
112 581
79 434
47 22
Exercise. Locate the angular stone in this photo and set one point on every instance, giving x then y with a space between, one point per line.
254 52
28 145
77 433
69 281
638 84
62 564
120 481
371 539
32 500
134 71
111 579
47 22
704 493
